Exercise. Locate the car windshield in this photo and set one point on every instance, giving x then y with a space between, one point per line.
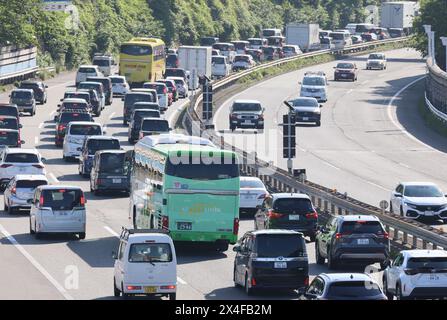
112 163
293 205
268 50
206 42
376 57
289 49
62 199
252 184
150 252
102 62
85 130
9 123
269 33
69 117
131 98
179 82
30 184
357 227
423 192
169 84
202 169
427 263
218 60
32 86
21 95
353 289
314 81
155 125
117 80
345 66
94 145
9 138
87 70
22 158
241 59
280 245
246 107
223 46
175 73
304 103
136 50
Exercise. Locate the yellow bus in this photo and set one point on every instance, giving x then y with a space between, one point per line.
142 60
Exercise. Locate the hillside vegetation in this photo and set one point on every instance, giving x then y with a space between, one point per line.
104 24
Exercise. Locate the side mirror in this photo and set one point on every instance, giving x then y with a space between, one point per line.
300 82
20 126
398 195
46 87
30 201
43 159
22 141
114 256
58 105
104 132
321 106
237 248
61 100
79 149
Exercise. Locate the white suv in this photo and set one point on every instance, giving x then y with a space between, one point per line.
15 161
20 189
314 85
417 274
76 133
376 61
419 199
87 71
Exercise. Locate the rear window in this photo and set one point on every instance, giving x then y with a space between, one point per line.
354 289
85 130
21 95
196 169
9 123
356 227
439 263
155 125
150 253
293 205
160 88
280 245
132 98
223 47
95 86
146 106
62 199
338 36
241 58
175 73
289 49
69 117
102 62
78 95
8 111
112 163
9 138
87 70
247 107
30 184
218 60
172 58
74 105
22 158
252 184
240 45
117 80
138 116
94 145
136 50
255 42
268 50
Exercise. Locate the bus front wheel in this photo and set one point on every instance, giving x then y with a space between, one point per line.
222 246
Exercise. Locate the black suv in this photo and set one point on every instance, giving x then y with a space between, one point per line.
271 259
246 113
359 239
288 211
40 92
107 86
135 122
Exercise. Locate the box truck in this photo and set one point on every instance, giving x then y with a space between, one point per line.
398 14
196 60
306 36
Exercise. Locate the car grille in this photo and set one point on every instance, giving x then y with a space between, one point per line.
247 117
304 114
428 208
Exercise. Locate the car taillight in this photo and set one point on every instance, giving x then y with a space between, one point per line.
273 215
312 215
5 166
165 222
133 288
253 282
38 166
168 287
61 127
411 272
384 235
82 201
165 90
141 135
41 201
338 236
306 281
235 226
13 190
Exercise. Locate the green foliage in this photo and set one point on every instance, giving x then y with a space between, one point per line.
432 13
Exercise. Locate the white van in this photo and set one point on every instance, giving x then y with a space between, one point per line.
85 72
219 67
341 39
104 63
76 133
146 264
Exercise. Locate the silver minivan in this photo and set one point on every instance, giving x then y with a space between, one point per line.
58 209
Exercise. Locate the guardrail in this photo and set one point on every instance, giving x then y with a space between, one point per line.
436 91
17 63
405 233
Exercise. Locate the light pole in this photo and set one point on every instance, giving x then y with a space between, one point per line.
430 35
444 43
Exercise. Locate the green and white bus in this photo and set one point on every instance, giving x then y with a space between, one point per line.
188 186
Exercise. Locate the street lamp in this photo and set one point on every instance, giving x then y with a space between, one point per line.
444 43
430 35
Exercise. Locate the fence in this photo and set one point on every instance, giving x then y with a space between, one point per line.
17 63
405 233
436 91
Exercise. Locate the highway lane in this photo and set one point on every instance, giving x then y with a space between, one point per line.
371 135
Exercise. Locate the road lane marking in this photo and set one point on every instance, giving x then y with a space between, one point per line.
53 177
377 185
41 125
365 82
115 234
405 165
112 115
330 165
36 264
350 91
36 140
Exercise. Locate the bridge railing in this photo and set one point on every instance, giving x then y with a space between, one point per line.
405 233
436 91
17 63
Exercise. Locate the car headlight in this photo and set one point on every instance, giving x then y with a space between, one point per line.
410 205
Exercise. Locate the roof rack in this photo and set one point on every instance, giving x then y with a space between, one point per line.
126 232
100 54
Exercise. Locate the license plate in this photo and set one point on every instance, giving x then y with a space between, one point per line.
433 277
305 118
184 226
280 265
343 75
247 121
150 289
362 241
294 217
116 180
429 213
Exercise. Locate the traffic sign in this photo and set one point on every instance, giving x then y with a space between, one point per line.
289 137
207 101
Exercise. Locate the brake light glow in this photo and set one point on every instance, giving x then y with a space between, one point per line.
41 201
253 282
338 236
165 222
236 226
133 288
273 215
13 190
171 287
306 281
82 200
312 215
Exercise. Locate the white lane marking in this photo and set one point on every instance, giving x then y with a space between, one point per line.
330 165
112 115
41 125
365 82
36 141
397 124
376 185
350 91
36 264
405 165
113 233
53 177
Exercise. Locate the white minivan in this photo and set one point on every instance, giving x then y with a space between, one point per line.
146 264
86 71
58 209
220 67
76 133
341 39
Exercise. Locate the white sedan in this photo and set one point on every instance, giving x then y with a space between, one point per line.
119 85
252 194
419 199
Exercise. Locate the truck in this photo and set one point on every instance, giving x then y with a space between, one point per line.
306 36
196 60
399 15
